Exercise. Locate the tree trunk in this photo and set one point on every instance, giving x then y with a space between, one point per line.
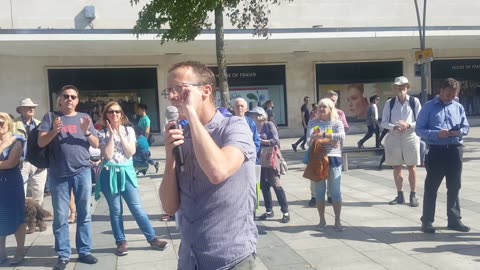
221 61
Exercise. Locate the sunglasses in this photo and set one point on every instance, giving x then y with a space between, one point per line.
114 111
73 97
2 123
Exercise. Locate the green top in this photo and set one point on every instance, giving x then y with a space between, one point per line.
143 123
125 171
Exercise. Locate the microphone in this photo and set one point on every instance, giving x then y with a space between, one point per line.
172 115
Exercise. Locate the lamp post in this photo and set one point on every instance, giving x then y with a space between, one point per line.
423 66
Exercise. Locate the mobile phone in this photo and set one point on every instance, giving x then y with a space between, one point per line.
458 126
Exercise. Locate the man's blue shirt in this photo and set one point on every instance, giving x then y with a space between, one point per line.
436 116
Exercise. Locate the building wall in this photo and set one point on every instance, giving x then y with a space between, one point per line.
22 77
119 14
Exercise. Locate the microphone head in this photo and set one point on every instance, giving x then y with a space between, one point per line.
171 113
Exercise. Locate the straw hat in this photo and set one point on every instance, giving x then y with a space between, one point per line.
26 102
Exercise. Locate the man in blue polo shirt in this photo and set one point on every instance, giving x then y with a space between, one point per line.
442 124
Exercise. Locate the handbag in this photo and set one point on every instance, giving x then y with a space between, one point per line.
283 164
266 155
318 164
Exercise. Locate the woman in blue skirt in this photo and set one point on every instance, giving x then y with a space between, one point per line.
12 194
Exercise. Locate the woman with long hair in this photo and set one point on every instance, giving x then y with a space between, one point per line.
12 193
118 178
329 131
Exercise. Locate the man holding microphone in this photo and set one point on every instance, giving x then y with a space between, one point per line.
215 191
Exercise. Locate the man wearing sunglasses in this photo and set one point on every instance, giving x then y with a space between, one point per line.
68 138
214 194
33 177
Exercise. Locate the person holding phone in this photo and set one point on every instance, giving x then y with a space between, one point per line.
442 124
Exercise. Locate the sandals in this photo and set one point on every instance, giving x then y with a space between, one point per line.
72 218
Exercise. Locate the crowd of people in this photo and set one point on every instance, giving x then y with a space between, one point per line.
213 193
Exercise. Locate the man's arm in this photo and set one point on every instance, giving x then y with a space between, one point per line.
168 192
386 116
422 126
302 116
217 163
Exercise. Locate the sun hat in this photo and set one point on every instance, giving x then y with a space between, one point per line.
400 80
26 102
259 110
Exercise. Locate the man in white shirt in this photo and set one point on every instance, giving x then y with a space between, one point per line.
402 146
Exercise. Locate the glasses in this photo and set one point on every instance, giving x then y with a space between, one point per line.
114 111
178 88
73 97
2 123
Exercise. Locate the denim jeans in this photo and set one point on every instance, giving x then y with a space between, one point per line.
60 187
132 198
333 182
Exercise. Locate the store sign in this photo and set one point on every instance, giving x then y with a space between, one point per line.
467 69
424 56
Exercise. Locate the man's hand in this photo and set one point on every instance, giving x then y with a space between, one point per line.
85 123
191 100
402 125
454 133
444 133
173 138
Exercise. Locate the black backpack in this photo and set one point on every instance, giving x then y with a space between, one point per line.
411 102
36 155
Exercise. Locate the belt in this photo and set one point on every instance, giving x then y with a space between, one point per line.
444 146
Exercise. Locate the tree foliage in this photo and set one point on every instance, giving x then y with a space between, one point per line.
183 20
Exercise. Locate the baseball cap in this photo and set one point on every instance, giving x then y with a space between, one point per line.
400 80
259 110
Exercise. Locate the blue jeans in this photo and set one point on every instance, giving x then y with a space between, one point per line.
60 187
334 180
132 198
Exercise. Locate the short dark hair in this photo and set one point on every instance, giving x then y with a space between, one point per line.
450 83
69 86
372 98
204 74
306 97
143 106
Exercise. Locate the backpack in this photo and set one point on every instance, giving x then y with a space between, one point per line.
36 155
318 164
411 102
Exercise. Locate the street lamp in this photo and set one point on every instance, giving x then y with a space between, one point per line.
423 66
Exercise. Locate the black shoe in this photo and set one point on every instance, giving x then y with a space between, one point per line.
303 147
380 146
397 200
294 146
266 215
312 202
413 201
156 167
329 200
60 265
459 226
285 218
427 227
360 145
88 259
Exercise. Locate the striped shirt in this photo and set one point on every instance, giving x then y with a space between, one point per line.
338 135
217 223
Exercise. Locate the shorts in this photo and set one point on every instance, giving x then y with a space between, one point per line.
402 148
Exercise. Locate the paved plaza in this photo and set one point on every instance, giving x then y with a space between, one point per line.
377 235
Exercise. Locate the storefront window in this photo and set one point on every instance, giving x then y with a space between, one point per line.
128 86
355 83
467 72
257 84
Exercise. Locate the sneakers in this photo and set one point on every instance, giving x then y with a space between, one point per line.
285 218
413 201
459 226
88 259
158 244
266 215
312 202
122 249
61 264
397 200
294 147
